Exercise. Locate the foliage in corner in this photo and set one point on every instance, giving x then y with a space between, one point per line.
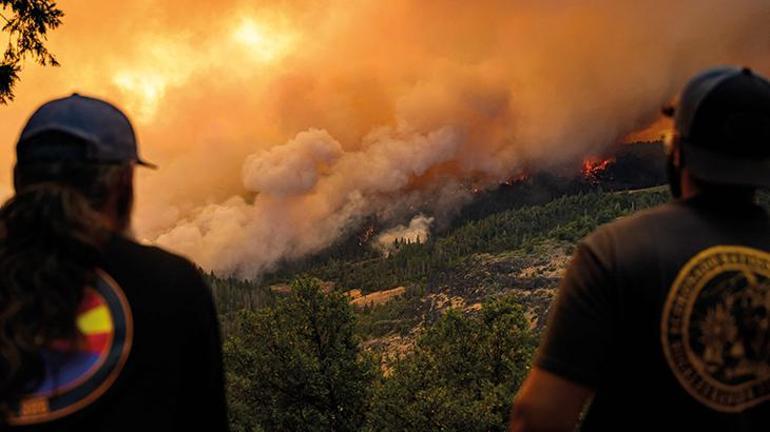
26 23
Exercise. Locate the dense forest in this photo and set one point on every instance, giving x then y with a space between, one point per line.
299 366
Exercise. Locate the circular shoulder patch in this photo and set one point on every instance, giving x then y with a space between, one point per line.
715 328
77 374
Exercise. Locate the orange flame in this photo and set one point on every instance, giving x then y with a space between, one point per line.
593 167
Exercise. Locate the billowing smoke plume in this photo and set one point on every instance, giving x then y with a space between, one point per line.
308 186
281 127
418 231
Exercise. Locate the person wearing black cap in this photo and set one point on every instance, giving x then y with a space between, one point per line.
662 321
97 332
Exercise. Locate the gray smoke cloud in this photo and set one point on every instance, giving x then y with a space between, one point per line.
308 193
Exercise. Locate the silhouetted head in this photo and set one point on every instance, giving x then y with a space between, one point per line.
721 138
87 145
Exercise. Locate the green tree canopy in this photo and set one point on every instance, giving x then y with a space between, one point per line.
26 23
462 375
297 366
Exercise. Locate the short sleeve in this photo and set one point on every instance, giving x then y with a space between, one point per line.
578 337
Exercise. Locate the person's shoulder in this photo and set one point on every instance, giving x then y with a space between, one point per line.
148 256
636 228
168 274
647 218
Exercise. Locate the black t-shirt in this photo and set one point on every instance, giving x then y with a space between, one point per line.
666 314
172 376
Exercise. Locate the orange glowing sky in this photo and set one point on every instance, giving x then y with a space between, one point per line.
148 59
137 55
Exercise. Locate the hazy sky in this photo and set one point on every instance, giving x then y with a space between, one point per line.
279 125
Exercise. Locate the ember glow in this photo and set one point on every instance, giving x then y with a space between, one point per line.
281 126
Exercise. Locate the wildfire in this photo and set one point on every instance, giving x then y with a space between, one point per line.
594 166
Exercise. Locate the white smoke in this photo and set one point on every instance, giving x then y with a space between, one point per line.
325 192
417 231
293 168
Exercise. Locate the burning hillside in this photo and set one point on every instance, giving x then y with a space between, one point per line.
627 166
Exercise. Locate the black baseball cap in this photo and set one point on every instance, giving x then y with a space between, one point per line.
723 126
105 132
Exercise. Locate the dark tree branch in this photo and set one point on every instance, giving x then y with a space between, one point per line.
27 28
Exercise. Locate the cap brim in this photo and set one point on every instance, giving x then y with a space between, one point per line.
717 168
146 164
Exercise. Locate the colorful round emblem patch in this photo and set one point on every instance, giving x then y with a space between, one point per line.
716 328
77 374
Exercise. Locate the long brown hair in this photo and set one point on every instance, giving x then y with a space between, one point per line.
51 237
